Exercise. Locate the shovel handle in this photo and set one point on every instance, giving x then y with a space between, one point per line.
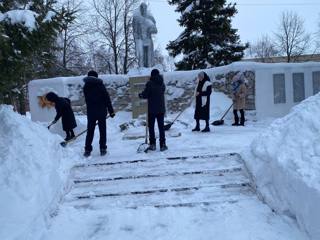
226 112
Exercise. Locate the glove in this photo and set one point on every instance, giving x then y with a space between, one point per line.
140 95
112 115
53 122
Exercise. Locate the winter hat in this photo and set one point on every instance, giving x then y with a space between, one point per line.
155 72
92 73
52 97
201 74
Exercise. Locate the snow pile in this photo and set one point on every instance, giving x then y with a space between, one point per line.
25 17
31 176
285 162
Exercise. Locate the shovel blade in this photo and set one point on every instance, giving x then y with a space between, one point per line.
142 148
167 126
218 122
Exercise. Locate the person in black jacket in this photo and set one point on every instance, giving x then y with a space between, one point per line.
64 111
202 94
154 92
98 105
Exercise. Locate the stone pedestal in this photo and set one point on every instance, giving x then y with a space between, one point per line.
139 106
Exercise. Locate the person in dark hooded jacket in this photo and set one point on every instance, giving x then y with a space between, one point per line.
154 93
98 105
64 111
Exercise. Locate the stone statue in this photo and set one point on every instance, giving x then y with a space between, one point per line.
144 25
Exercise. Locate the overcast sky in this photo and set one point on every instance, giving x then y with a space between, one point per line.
254 18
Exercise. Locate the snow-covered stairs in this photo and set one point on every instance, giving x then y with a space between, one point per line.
160 182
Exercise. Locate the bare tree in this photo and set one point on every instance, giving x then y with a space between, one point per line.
114 23
292 39
317 37
159 58
129 58
72 30
170 64
264 49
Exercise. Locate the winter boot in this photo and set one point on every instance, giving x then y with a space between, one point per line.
242 119
196 129
152 147
163 147
68 137
103 151
72 134
206 129
86 153
236 118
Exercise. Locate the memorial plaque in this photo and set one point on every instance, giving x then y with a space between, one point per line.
139 106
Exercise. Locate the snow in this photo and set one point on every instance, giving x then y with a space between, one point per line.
25 17
285 163
32 176
113 218
283 158
49 16
39 169
142 71
189 8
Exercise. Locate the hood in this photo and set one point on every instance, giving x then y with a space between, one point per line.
92 80
158 79
52 97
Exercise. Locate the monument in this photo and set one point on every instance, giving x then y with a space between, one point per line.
144 25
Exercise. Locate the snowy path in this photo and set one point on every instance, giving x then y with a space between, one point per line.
195 197
160 182
198 189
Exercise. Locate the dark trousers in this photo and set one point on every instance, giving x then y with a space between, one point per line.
198 123
236 117
70 134
90 133
151 121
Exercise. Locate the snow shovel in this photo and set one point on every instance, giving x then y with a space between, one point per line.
65 143
221 121
168 126
144 146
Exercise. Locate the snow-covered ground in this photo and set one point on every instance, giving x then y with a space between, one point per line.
198 189
285 162
33 173
137 206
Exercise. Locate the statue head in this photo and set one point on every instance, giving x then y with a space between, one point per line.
143 9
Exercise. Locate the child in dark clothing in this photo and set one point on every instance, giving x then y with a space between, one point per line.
64 111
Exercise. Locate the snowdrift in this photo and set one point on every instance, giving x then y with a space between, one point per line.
31 180
285 163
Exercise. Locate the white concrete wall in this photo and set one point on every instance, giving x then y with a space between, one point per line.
39 88
265 105
264 101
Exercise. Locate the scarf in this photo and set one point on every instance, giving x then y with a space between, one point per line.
236 86
204 88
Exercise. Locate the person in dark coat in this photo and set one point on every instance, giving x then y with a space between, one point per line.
98 105
202 95
154 92
64 111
